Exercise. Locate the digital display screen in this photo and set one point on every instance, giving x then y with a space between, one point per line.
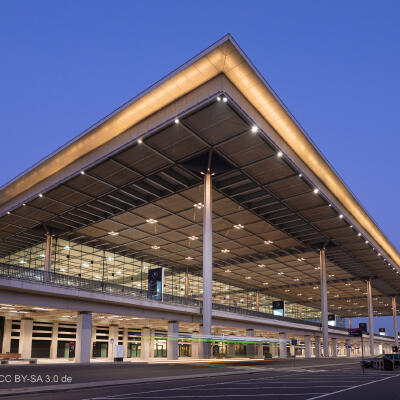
155 284
278 308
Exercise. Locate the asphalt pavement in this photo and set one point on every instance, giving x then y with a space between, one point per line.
307 379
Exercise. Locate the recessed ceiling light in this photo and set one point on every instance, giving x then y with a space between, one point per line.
296 279
268 242
24 204
97 277
198 205
218 98
85 265
261 265
67 248
40 195
279 154
155 247
254 129
301 259
8 212
82 172
151 221
110 258
316 191
193 238
265 283
281 273
22 262
238 226
189 258
300 175
176 121
225 251
315 287
366 242
62 269
351 226
359 234
379 254
248 277
341 216
112 233
287 290
224 99
42 255
228 270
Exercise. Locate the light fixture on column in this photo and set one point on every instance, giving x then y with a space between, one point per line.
254 129
151 221
199 206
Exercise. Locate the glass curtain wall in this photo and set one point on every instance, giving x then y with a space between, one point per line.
87 262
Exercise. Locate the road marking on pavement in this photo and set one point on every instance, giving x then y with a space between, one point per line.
353 387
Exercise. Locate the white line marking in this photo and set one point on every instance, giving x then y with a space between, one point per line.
220 395
353 387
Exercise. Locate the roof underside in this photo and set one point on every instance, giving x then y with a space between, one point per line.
284 221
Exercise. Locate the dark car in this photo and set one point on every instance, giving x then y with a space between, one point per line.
377 361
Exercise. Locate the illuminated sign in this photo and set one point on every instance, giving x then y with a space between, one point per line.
155 281
382 331
331 320
278 308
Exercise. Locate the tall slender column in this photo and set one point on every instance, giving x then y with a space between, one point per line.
324 303
307 346
334 347
54 340
145 344
370 317
282 345
83 337
172 342
125 341
257 301
112 337
7 336
195 345
395 331
317 346
186 284
25 341
207 263
48 253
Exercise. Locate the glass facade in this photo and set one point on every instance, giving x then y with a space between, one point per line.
87 262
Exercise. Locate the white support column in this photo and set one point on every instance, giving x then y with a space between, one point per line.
370 318
172 342
207 263
348 348
250 347
125 342
112 337
54 340
195 345
282 345
145 344
7 336
324 302
230 348
83 337
307 346
334 347
260 350
395 329
25 339
317 346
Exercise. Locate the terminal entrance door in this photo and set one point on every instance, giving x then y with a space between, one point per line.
100 349
185 350
133 350
160 348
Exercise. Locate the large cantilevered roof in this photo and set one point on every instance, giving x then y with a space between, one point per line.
276 186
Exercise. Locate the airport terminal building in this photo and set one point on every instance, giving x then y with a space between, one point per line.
198 220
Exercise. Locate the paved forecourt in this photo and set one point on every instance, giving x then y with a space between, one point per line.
332 381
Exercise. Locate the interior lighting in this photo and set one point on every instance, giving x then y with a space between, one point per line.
42 256
8 212
67 248
268 242
254 129
62 270
279 154
281 273
155 247
301 259
140 141
176 121
225 251
341 216
199 206
315 287
296 279
351 226
112 233
359 234
40 195
366 242
82 172
287 290
238 226
189 258
300 175
22 262
218 98
193 238
85 265
265 283
110 258
151 221
228 270
261 265
248 277
316 191
224 99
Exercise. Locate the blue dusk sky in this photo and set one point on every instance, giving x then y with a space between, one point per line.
335 64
